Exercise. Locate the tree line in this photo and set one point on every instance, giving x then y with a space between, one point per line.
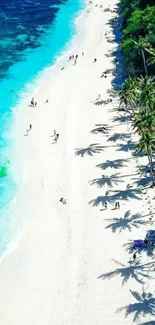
137 93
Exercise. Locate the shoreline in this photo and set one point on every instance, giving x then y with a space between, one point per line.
34 90
30 89
53 275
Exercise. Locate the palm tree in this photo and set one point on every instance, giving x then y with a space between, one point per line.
147 144
141 45
138 92
144 121
145 91
133 70
128 93
151 60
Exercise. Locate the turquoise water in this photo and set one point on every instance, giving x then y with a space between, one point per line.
50 43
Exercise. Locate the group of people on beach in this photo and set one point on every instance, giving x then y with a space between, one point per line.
33 103
74 57
55 135
115 10
104 75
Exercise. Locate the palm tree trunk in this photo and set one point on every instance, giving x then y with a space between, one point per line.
144 62
151 167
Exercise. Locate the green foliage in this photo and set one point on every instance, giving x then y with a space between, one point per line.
141 23
138 94
132 53
128 93
144 122
139 27
129 6
138 91
146 143
146 93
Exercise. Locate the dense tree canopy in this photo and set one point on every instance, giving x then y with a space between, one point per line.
129 6
140 27
138 91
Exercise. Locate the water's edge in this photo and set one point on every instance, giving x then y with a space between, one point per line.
11 225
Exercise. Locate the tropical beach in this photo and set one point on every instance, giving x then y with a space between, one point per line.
81 185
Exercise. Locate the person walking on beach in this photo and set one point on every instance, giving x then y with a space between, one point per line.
134 257
131 261
62 200
106 205
30 128
99 96
56 137
32 102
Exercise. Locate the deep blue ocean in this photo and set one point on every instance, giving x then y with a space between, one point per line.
32 35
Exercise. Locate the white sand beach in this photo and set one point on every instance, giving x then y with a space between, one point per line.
56 272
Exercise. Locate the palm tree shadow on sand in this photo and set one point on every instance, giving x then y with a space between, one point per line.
138 272
101 129
90 150
127 146
116 53
152 322
110 181
99 102
127 222
143 182
144 305
116 164
119 136
145 169
118 195
120 119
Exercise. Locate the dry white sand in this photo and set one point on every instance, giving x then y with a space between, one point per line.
54 274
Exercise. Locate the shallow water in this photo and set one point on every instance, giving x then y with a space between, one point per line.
32 35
